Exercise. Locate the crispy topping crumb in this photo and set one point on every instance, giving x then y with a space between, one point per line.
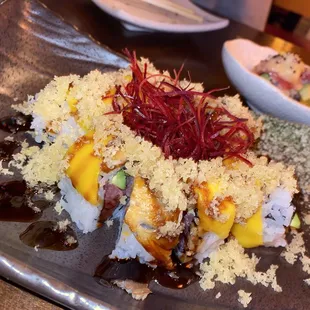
62 225
296 251
244 298
230 262
49 195
5 171
58 208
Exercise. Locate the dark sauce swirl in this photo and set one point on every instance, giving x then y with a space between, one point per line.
18 204
47 235
15 123
110 270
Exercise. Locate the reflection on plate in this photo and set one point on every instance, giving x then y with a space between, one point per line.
141 16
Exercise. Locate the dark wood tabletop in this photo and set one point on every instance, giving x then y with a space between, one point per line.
200 52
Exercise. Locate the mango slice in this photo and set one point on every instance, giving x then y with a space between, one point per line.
227 209
108 98
84 168
250 235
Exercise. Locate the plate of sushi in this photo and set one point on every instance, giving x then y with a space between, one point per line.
130 187
272 83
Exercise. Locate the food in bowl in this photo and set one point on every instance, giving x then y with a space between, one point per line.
172 164
289 73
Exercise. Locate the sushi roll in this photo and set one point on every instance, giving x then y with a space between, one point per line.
215 219
173 163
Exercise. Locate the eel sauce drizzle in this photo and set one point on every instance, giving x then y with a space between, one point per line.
47 235
18 203
7 149
110 270
15 123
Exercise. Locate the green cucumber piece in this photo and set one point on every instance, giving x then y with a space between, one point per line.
119 179
295 223
265 76
305 93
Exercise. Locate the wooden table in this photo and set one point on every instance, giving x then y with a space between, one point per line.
12 297
200 53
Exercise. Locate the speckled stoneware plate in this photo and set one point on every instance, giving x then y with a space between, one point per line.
35 45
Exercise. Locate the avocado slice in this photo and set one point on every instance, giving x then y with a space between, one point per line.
265 76
119 179
295 223
305 94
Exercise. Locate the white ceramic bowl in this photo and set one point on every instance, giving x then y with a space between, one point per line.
239 58
141 16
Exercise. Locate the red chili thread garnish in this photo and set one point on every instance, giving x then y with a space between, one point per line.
179 120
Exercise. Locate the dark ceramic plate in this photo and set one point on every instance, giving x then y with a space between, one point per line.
35 45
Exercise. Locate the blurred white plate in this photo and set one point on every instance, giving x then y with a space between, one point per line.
137 15
239 58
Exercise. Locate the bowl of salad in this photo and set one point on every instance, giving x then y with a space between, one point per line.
273 83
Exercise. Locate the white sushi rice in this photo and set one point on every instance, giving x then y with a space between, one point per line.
68 127
71 128
277 213
84 214
129 247
209 244
38 125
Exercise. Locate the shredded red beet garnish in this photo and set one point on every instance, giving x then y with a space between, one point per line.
180 120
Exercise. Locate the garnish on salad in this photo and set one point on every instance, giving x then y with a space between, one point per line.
289 73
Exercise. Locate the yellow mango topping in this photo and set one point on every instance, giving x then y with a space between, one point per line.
84 168
227 211
72 105
108 98
71 100
250 234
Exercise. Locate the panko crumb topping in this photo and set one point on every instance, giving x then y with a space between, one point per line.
244 298
296 251
62 225
171 180
230 262
49 195
58 208
9 138
5 171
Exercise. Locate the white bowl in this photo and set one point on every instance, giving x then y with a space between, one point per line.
239 58
141 16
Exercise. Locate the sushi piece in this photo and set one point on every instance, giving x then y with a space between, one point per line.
215 219
88 192
268 225
139 237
